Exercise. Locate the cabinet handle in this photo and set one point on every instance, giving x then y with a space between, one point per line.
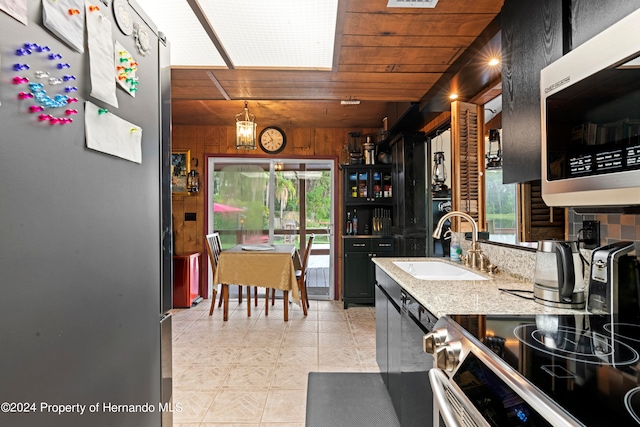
384 244
358 245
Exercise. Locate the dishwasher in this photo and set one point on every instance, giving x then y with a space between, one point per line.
416 398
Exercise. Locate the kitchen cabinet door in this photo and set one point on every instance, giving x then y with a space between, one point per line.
409 174
382 336
367 193
531 39
357 277
415 246
358 269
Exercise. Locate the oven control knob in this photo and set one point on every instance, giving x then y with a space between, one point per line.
448 356
433 340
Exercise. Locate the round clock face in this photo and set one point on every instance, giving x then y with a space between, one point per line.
123 16
272 140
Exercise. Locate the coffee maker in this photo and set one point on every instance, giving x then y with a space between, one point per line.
614 282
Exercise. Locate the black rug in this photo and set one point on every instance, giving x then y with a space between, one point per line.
348 400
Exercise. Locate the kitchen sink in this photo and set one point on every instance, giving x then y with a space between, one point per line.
437 270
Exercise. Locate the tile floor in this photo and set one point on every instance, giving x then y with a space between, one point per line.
252 372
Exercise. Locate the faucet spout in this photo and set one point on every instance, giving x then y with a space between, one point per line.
474 232
474 226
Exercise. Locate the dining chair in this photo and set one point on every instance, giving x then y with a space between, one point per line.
255 292
301 277
214 248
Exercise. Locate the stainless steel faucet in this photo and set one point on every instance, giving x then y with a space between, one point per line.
475 257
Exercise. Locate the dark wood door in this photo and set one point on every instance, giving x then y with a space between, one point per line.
531 40
358 276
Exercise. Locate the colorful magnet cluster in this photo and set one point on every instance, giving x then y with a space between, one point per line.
126 71
36 91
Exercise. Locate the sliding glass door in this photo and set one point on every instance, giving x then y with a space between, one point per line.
280 201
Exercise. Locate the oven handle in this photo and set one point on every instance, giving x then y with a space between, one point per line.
441 404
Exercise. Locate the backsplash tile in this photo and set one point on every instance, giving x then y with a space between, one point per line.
613 227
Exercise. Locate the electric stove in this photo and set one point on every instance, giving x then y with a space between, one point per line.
517 370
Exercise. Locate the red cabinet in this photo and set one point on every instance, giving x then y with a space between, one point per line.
186 279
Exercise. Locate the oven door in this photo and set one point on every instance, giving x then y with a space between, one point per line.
451 408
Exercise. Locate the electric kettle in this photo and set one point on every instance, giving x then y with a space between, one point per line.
559 275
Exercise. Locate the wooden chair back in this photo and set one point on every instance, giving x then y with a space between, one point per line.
214 248
305 259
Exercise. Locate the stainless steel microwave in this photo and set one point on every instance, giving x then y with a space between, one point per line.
591 121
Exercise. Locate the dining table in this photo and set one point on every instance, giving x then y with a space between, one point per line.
259 265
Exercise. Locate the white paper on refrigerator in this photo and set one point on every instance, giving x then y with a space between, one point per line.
101 59
108 133
65 19
16 9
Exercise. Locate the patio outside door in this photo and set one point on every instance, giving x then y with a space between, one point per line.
280 201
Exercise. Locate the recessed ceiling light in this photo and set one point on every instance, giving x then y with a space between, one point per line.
494 61
453 96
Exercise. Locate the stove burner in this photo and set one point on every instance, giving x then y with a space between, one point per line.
580 346
624 330
632 402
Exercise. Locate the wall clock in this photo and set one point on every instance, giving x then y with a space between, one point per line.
124 19
272 140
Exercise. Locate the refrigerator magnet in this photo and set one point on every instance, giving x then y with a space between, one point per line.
143 41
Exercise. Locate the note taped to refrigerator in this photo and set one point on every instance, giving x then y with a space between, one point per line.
126 67
65 19
16 9
101 59
108 133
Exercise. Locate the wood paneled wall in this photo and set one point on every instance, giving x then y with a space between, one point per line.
220 141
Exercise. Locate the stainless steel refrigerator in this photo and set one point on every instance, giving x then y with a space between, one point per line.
85 252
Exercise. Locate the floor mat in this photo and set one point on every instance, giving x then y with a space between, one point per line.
348 400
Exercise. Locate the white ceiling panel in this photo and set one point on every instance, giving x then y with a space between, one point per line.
190 44
254 33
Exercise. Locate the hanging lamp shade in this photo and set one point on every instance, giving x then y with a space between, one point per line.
245 129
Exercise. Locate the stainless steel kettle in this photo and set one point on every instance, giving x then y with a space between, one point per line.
559 276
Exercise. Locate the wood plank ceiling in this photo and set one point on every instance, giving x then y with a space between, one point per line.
382 55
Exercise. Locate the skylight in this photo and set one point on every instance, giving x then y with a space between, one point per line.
190 44
254 33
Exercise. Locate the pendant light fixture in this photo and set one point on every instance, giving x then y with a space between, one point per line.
245 129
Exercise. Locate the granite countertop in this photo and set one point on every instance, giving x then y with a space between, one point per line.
467 296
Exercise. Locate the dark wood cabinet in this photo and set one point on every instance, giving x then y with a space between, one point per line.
531 40
389 334
401 323
589 18
368 193
409 246
186 279
535 34
358 269
411 181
